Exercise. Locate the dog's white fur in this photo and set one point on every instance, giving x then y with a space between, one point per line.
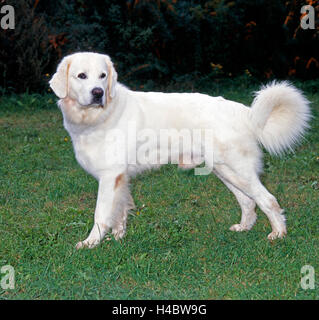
277 119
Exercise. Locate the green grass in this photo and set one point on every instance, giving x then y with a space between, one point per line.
177 247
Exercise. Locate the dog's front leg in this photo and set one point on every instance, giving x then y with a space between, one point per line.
108 213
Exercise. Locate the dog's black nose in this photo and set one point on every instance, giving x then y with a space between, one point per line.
97 93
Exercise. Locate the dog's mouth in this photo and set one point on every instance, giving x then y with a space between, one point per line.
95 105
97 101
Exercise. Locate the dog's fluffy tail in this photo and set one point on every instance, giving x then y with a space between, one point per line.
280 115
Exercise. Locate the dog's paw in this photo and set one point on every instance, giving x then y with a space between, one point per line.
239 228
87 244
277 235
118 232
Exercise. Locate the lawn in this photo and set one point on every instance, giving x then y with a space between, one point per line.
178 244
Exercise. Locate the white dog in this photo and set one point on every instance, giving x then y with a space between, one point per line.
97 110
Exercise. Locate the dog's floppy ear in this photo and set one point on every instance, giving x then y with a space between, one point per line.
59 81
111 80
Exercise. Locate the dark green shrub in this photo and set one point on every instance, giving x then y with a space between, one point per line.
25 52
157 42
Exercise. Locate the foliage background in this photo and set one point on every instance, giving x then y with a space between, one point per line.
160 42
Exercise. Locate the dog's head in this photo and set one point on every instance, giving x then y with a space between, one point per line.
87 77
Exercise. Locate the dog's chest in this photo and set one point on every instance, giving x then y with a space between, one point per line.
90 152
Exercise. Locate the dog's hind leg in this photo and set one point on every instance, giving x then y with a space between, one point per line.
248 182
247 205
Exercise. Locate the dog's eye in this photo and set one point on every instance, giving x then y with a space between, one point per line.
103 75
82 75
